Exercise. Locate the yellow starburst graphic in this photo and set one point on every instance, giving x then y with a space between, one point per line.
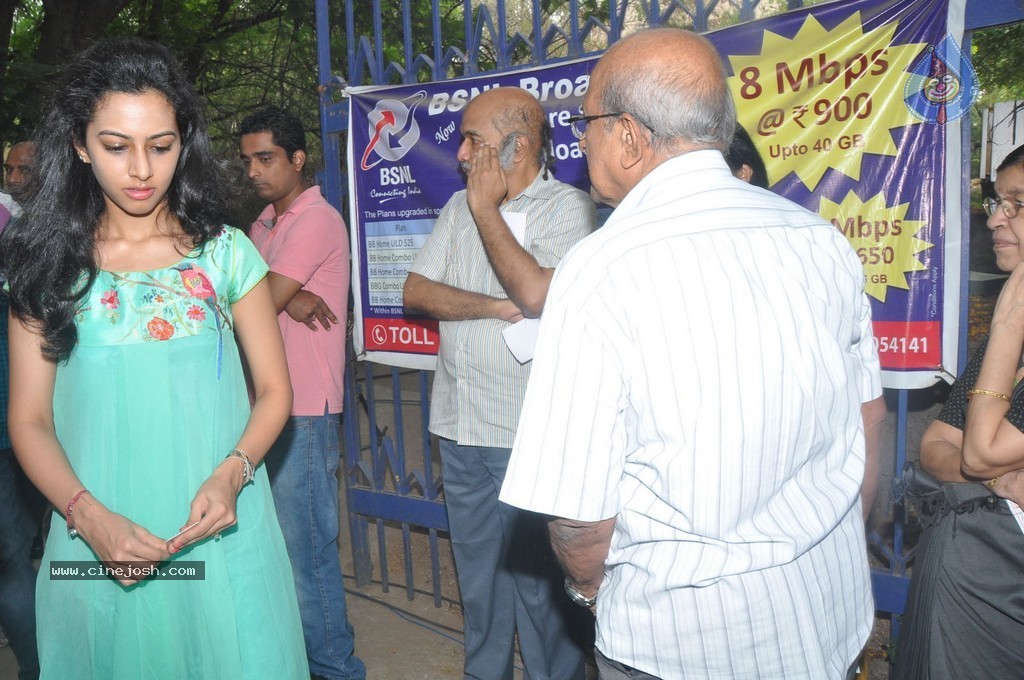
883 238
824 98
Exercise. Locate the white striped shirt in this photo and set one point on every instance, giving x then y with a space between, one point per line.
478 385
699 376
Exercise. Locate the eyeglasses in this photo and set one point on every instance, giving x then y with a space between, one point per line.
578 124
1010 206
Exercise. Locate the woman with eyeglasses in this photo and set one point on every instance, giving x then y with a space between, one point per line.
965 614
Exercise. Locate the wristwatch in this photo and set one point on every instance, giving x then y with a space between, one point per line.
578 597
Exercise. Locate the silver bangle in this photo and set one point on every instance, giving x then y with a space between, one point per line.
578 597
248 469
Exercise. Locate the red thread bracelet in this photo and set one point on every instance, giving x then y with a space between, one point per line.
72 532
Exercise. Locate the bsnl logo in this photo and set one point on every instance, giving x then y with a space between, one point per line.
393 132
399 175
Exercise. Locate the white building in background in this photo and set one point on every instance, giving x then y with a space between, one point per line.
1002 131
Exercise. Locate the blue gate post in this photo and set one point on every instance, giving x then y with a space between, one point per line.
334 123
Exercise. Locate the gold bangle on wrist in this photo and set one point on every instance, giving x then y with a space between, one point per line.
991 484
988 393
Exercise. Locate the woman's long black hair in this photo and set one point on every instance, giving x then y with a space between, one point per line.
49 253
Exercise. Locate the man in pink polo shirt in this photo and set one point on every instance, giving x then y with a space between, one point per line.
303 240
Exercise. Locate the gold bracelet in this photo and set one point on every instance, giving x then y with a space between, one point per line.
991 484
988 393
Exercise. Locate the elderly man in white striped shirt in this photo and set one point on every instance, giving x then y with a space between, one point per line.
477 276
694 416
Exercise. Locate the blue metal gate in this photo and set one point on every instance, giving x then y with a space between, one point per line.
392 473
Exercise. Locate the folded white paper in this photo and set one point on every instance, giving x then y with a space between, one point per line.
516 222
521 337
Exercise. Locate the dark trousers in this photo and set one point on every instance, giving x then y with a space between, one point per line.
17 575
508 576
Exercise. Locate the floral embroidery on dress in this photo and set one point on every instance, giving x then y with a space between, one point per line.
109 299
171 299
160 329
197 283
110 302
195 280
189 298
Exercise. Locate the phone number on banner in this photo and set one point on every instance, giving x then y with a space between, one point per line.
903 345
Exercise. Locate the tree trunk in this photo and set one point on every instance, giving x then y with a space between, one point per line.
69 26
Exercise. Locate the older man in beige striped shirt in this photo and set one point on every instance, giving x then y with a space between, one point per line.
477 277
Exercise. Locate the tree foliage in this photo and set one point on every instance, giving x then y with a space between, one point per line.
998 54
242 54
392 31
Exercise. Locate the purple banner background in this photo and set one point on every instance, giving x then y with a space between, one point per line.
403 142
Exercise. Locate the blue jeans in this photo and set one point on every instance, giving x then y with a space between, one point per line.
303 465
508 576
17 575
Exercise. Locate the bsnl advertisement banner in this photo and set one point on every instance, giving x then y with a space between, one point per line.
854 107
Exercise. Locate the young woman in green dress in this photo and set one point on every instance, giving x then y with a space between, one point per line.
129 408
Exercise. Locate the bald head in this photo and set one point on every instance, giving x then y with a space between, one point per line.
513 108
514 114
674 83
